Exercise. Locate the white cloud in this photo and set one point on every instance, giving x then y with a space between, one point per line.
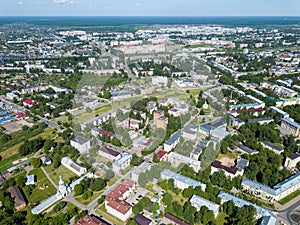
20 3
64 1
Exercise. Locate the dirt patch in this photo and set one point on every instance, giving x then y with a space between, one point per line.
226 161
15 126
295 218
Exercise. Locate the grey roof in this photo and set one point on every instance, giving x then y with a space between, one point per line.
80 140
173 138
217 123
242 163
183 179
191 129
273 146
260 120
245 149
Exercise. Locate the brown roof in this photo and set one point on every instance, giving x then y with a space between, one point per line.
219 165
115 197
17 195
91 220
294 156
176 219
142 220
109 151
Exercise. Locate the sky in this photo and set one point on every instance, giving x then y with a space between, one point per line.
149 7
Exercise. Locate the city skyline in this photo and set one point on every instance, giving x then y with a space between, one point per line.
148 8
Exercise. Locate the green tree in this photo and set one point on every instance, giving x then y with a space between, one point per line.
78 189
36 162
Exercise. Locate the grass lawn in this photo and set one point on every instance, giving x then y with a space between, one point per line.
62 171
112 181
7 162
289 197
44 188
69 206
102 211
88 201
221 218
200 46
14 149
86 116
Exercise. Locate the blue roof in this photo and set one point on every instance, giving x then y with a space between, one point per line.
291 122
278 189
173 138
268 220
123 159
183 179
241 203
240 106
258 186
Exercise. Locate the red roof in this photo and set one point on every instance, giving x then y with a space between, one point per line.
28 101
103 132
115 198
21 115
160 154
90 220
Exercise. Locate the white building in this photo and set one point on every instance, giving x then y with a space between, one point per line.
123 162
115 203
172 141
176 159
292 161
73 166
180 181
159 80
198 202
276 193
81 144
109 153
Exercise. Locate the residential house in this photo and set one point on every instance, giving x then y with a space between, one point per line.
115 203
81 144
172 141
123 162
292 161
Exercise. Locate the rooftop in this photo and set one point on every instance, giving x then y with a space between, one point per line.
123 159
109 151
173 138
218 164
80 140
142 220
183 179
91 220
203 202
291 122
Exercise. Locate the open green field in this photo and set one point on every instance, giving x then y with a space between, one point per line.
48 133
289 198
88 201
221 218
200 46
44 188
86 116
62 171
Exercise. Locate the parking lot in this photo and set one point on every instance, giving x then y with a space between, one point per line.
137 195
